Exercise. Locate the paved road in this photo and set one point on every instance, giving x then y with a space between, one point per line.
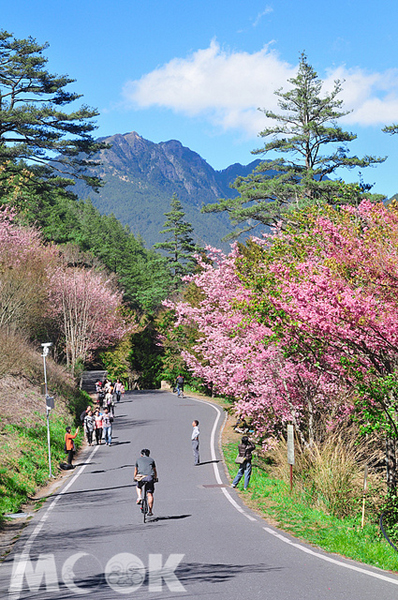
89 538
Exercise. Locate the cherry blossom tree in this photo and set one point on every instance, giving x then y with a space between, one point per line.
38 289
89 309
24 266
302 324
236 355
328 290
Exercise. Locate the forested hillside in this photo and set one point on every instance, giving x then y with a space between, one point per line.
141 176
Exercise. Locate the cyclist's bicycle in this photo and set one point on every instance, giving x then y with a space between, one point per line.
144 502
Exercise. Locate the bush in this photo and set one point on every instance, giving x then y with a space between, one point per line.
331 474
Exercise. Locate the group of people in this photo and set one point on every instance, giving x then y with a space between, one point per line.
98 427
108 394
97 421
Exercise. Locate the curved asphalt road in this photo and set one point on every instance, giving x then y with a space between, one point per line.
89 540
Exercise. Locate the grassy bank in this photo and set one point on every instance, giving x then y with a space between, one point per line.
23 429
292 513
24 460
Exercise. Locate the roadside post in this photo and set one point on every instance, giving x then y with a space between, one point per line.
290 452
49 402
364 496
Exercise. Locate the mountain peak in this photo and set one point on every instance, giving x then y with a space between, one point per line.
141 177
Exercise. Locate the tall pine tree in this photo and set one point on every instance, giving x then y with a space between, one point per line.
313 149
34 125
179 245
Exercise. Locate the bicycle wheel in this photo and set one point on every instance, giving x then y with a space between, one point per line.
144 505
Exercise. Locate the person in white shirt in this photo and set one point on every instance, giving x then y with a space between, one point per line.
195 441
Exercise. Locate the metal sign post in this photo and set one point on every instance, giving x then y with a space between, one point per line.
49 402
364 496
290 452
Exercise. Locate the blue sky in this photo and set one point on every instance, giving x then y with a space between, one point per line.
198 70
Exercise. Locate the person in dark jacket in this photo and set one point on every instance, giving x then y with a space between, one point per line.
245 451
180 385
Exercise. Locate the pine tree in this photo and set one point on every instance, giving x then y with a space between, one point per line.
34 126
179 246
302 131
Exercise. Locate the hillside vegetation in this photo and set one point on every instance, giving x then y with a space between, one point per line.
23 433
141 176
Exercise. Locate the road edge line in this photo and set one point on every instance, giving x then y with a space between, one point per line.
268 529
29 542
214 459
329 558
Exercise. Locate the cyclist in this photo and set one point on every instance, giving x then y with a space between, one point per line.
145 472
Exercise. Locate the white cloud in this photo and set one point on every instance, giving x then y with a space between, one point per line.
266 11
372 97
227 88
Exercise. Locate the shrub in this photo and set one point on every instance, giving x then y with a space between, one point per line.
331 474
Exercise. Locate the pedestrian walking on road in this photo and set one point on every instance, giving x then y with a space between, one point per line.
180 385
118 389
195 441
70 446
98 426
244 459
107 420
89 427
110 402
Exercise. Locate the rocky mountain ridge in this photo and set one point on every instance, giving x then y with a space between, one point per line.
141 177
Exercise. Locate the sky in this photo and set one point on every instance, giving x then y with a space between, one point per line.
198 70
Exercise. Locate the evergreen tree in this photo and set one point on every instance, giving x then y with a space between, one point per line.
179 246
391 129
302 131
33 124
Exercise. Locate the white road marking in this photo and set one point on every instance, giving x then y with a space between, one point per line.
274 533
29 542
329 558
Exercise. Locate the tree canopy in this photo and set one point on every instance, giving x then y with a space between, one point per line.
313 149
34 125
302 327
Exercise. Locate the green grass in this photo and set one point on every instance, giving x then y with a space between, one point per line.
25 465
290 512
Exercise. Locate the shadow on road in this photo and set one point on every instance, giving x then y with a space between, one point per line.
88 491
187 574
113 469
115 443
132 423
217 572
171 517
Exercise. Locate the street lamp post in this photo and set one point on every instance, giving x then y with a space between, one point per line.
49 401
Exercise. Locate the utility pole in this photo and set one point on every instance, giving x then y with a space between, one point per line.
49 401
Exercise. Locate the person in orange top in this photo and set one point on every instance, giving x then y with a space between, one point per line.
70 445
